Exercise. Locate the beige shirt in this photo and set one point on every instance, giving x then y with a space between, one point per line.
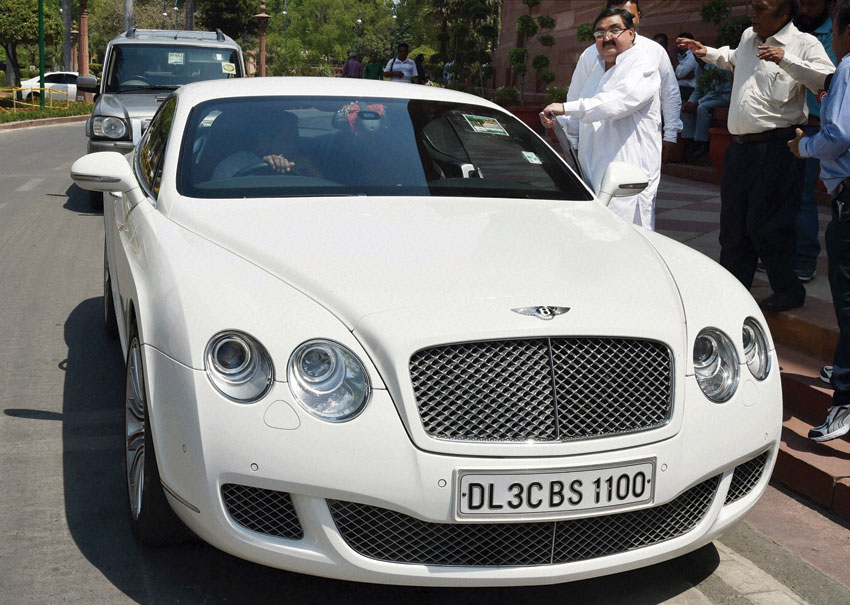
766 96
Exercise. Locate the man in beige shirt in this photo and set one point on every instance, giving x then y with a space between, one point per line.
762 181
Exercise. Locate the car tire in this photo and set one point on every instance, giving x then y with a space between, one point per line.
110 320
151 517
96 201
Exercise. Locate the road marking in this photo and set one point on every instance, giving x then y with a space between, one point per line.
30 185
747 579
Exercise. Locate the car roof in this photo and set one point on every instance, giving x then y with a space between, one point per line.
349 88
174 36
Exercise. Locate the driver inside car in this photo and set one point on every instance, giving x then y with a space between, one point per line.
272 144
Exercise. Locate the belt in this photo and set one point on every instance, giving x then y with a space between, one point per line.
769 135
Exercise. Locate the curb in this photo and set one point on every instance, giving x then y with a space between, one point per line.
43 122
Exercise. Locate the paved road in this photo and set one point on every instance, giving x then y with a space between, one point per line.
65 537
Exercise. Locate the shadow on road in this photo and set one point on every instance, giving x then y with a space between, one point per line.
95 507
78 201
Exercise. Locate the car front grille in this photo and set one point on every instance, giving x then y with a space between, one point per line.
548 389
745 477
390 536
262 510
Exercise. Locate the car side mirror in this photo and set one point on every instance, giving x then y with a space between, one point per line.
104 171
87 83
621 179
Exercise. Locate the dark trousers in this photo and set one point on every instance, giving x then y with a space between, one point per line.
760 193
838 252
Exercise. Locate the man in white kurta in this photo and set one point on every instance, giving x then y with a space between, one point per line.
617 117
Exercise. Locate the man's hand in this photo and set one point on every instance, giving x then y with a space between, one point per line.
695 47
547 116
771 53
690 107
667 148
794 144
279 163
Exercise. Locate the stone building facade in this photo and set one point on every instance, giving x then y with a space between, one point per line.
670 17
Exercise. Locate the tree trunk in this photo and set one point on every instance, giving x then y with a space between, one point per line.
128 15
190 14
10 69
66 44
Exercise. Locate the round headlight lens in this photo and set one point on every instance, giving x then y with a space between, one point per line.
715 365
756 353
238 366
328 380
110 127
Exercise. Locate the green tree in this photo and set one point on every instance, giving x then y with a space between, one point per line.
19 26
233 17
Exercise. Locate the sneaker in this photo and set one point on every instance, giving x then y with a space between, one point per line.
826 374
805 275
778 302
760 267
837 424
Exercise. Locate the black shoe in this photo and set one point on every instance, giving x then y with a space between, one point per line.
697 150
778 302
806 275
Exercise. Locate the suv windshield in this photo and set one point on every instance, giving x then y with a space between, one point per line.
299 146
142 66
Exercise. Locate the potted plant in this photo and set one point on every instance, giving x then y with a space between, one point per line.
527 27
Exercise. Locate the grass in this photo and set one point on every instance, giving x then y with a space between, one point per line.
7 114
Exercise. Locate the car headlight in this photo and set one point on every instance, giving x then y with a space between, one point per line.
715 365
756 353
238 366
108 127
328 380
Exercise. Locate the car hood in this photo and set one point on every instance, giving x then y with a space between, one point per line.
362 256
130 105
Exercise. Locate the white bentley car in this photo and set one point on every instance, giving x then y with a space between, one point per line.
382 332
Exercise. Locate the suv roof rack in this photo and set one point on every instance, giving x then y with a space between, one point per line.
134 33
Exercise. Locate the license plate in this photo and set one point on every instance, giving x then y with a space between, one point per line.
555 493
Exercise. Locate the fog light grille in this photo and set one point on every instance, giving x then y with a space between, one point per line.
745 477
262 510
391 536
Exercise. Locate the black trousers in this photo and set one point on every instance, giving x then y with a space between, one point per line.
760 193
838 253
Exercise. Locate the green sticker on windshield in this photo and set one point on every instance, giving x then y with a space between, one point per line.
175 58
485 124
531 157
228 68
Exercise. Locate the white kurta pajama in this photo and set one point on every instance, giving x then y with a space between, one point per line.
618 119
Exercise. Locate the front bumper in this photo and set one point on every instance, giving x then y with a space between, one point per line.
369 473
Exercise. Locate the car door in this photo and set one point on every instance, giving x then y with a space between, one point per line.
123 218
55 87
71 82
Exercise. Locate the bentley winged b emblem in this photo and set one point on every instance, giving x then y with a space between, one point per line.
541 312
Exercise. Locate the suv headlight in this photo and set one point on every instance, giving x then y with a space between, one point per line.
328 380
108 127
715 365
756 353
238 366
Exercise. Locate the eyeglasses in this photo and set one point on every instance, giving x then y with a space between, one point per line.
614 32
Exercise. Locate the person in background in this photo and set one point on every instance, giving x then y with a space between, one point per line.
832 147
686 70
618 115
709 94
352 67
448 73
813 19
762 181
669 95
372 70
401 68
662 39
420 68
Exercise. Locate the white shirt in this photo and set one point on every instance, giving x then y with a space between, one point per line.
667 90
408 67
766 96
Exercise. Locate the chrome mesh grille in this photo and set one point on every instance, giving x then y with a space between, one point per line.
745 477
553 389
390 536
262 510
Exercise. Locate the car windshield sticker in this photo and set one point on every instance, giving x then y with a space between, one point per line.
219 57
485 124
531 157
175 58
228 68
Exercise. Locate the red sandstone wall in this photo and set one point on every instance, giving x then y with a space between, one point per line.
668 16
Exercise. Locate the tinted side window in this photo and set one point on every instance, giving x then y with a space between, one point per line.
152 147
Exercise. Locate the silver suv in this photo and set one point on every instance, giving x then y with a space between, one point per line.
140 69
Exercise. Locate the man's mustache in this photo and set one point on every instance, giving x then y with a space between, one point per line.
609 43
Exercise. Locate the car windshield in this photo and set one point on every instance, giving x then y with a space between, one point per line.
300 146
145 66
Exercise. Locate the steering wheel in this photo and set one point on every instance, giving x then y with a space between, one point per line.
136 80
261 168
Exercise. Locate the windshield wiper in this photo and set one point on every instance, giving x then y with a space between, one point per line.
151 87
